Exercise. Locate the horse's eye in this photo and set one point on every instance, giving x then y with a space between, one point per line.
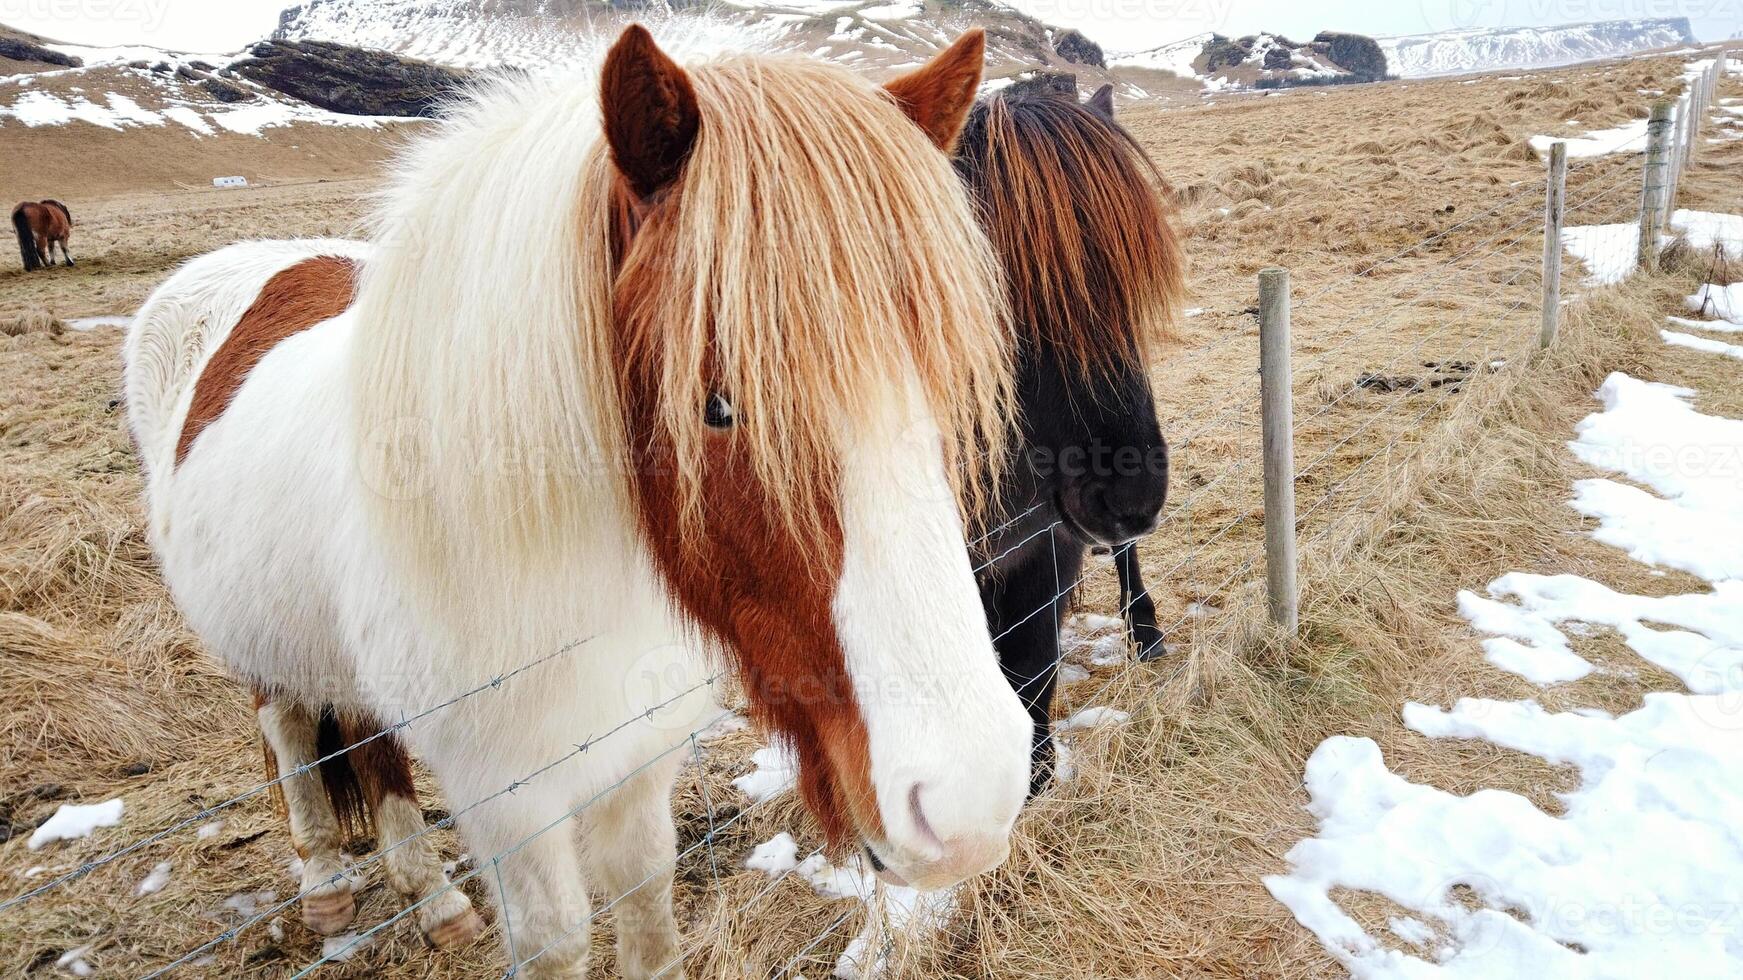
719 413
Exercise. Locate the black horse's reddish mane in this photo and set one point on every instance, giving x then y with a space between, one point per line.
1077 213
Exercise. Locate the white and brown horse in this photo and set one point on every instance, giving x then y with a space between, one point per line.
665 418
40 226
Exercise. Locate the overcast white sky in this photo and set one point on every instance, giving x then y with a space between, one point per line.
225 25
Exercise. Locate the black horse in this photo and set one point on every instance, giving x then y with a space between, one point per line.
1094 274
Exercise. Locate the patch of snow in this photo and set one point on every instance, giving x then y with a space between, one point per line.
1702 344
1524 643
1064 761
1071 674
73 821
189 118
776 772
93 322
902 910
1724 302
127 110
1716 326
208 831
338 949
775 856
1651 435
1096 622
850 880
1108 650
1175 58
246 904
1640 848
1630 137
889 909
1706 230
73 961
1413 931
253 119
1702 646
1607 251
39 108
120 54
723 727
1095 717
153 883
892 11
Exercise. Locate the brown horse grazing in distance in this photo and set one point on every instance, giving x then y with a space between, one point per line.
41 225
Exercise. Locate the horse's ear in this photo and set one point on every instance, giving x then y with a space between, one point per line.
651 118
1103 101
938 94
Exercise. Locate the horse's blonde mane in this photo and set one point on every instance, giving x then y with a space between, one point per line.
816 253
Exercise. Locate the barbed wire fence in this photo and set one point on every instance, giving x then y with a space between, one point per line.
1499 339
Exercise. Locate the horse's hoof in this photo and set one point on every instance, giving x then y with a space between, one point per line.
1149 642
329 911
457 930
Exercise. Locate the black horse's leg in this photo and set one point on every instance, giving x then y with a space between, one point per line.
1136 606
1024 611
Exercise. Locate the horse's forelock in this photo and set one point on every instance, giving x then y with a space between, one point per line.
816 253
1078 214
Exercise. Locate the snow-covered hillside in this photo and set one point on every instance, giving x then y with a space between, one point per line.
122 88
874 34
1457 52
1262 60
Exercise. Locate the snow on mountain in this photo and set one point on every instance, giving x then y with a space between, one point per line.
1456 52
1259 60
871 34
1176 57
129 87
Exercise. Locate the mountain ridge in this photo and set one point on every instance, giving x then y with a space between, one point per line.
1503 48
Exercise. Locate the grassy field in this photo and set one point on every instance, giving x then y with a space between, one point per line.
1148 863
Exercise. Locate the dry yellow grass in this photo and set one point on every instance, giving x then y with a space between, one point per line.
1149 863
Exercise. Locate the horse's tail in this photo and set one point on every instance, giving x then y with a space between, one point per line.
358 766
374 765
26 240
340 776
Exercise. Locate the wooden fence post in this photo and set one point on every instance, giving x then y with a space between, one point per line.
1682 142
1652 183
1553 198
1279 438
1697 95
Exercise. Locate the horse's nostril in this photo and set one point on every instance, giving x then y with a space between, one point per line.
921 824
